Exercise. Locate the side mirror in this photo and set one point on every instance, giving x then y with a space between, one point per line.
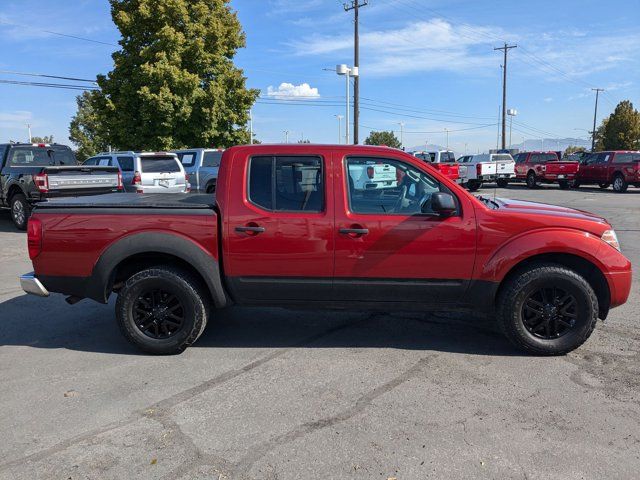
443 204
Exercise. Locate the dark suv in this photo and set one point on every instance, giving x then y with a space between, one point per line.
33 172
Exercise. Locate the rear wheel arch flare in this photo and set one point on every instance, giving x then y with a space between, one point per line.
588 270
154 248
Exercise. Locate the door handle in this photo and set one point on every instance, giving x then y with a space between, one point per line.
354 231
253 229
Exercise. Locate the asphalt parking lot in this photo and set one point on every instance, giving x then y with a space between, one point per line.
274 394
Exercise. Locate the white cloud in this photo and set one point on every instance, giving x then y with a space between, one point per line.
548 99
288 91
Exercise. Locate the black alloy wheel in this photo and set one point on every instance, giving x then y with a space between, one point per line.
549 313
158 314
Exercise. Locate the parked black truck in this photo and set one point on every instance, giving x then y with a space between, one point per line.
30 173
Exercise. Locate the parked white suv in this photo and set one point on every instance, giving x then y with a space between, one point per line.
157 172
486 167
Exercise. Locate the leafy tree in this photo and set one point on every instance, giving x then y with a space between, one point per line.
383 138
45 139
87 130
620 130
574 149
174 84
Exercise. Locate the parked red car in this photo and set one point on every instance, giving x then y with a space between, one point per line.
544 167
442 160
617 168
289 226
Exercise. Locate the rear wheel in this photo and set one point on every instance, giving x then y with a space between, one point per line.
564 184
502 182
575 184
473 185
211 188
20 211
620 185
162 310
547 310
532 181
604 186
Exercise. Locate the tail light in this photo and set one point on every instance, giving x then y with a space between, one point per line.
34 237
370 172
42 182
137 181
120 184
478 168
187 183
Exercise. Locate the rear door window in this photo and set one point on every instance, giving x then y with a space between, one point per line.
287 183
211 159
126 164
159 165
626 157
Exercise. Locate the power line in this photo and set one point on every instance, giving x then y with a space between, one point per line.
433 131
49 85
51 32
11 72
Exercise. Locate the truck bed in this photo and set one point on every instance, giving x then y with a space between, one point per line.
134 201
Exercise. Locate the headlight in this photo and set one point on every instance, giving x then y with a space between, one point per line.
611 238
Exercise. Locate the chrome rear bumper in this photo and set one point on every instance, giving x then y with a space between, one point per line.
32 285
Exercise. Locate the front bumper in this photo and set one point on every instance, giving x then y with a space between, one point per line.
32 285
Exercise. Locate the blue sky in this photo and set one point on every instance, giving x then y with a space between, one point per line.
429 64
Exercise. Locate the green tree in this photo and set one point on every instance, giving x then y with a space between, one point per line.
45 139
87 130
574 149
386 138
620 130
174 83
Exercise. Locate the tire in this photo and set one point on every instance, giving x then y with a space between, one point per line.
211 188
521 292
532 182
604 186
575 184
564 184
502 182
166 296
20 211
473 185
620 185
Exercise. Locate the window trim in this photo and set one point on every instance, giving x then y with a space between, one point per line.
345 163
323 211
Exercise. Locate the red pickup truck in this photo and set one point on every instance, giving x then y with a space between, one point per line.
617 168
289 226
544 167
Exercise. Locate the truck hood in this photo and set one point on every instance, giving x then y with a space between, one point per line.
521 206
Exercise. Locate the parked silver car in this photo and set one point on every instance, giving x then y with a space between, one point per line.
153 172
202 165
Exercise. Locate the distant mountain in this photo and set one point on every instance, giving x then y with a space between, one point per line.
553 144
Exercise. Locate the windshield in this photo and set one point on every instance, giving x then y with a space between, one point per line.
502 158
427 157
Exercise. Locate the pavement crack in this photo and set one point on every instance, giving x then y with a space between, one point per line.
178 398
259 451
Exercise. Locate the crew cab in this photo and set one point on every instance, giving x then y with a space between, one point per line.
487 167
202 165
30 172
544 167
288 227
617 168
443 160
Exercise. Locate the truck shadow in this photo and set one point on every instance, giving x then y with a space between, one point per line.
51 323
6 225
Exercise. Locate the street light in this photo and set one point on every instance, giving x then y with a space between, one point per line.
401 135
339 117
447 131
512 112
286 136
348 72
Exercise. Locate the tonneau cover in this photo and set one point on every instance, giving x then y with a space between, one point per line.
134 200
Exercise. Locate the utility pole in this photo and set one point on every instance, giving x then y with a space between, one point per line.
595 114
401 135
250 127
286 136
506 49
29 128
355 6
447 131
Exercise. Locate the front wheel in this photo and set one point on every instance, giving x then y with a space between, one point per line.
20 211
473 185
547 310
502 182
162 310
